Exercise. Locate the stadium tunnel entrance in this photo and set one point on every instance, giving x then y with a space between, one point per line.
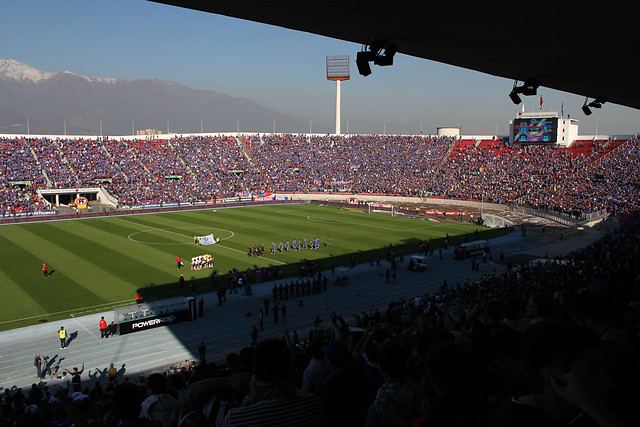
66 197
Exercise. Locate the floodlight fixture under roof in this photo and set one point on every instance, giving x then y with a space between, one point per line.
362 62
515 98
585 108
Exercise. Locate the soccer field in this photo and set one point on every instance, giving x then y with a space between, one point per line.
99 263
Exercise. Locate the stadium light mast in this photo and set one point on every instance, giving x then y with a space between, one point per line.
338 71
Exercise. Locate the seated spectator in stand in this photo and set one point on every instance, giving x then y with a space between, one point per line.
399 400
345 393
126 405
454 321
159 405
316 373
619 356
599 315
539 307
512 318
273 400
561 364
454 393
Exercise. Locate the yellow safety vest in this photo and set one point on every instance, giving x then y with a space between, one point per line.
62 333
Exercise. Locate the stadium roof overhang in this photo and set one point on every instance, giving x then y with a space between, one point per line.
586 48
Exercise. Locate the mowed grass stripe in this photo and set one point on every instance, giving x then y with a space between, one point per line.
25 304
278 226
60 290
252 225
104 260
173 229
161 257
332 215
132 263
235 247
113 271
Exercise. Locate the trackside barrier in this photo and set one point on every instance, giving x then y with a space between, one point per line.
16 220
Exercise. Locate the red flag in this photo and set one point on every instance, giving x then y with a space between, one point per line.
541 101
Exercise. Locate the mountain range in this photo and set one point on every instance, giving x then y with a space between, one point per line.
49 102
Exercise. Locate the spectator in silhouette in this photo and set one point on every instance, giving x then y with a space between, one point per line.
561 367
539 307
399 400
126 407
316 373
159 405
272 399
345 393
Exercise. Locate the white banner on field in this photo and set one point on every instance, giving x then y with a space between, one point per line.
208 240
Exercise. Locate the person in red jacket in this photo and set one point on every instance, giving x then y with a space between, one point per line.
45 269
178 262
138 297
103 328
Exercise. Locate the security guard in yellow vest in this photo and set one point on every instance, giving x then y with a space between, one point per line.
62 334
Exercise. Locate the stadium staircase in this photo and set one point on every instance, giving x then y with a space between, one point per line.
177 153
493 145
135 156
42 170
113 161
244 149
610 147
443 161
65 161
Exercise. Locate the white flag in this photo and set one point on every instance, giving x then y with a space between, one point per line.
208 240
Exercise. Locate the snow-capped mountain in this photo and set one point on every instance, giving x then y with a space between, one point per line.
53 101
16 70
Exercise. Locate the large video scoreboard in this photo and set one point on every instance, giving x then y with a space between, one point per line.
535 130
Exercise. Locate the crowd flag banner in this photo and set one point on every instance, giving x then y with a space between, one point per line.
208 239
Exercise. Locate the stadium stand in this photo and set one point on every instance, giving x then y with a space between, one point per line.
201 168
470 354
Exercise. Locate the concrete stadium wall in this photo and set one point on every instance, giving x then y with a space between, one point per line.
343 197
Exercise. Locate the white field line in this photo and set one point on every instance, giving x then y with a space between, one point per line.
83 327
92 308
217 245
331 221
335 221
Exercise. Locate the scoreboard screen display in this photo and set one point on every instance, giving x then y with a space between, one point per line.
538 130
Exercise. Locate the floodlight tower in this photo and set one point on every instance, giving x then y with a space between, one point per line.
338 70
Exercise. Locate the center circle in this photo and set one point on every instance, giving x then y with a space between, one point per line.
200 231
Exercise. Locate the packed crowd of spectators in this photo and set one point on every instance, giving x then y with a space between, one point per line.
54 165
552 343
571 181
90 161
359 164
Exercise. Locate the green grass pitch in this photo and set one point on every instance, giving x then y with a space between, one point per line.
99 263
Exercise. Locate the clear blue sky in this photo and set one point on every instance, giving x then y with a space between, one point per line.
281 69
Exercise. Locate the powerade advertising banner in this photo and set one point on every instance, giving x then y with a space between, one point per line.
150 322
